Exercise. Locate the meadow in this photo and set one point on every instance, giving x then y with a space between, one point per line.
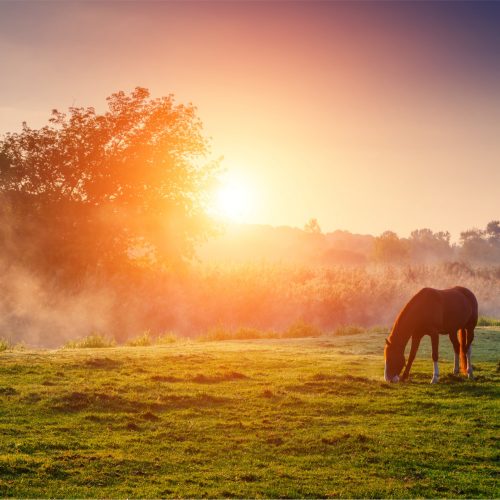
251 418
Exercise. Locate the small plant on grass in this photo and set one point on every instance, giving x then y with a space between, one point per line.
243 333
301 329
215 333
379 329
4 345
166 338
143 340
95 340
488 321
348 330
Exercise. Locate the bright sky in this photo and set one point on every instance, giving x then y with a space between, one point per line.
367 116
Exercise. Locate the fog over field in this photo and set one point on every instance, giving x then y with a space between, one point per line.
250 277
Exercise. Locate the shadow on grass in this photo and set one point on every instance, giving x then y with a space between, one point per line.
104 363
166 378
220 377
101 402
337 384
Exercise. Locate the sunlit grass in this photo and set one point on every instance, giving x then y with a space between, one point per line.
488 321
4 344
91 342
255 418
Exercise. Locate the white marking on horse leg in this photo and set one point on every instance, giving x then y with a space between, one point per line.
456 369
385 373
469 363
435 375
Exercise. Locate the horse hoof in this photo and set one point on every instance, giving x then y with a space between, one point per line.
434 380
470 376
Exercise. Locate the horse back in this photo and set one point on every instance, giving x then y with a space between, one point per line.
444 311
460 309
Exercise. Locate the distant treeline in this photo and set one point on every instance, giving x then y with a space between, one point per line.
255 243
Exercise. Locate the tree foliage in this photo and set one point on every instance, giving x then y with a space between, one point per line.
389 248
312 226
481 245
92 191
427 246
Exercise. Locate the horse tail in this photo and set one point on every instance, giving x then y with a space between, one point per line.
462 338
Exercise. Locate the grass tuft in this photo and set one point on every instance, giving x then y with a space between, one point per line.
93 341
488 321
300 329
166 338
349 330
5 345
142 340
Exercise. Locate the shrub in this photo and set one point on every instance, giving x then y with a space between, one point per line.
91 341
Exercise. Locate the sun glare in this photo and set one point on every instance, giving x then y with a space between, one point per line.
232 200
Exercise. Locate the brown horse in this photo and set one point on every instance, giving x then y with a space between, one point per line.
433 312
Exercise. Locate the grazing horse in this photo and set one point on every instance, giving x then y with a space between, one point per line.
433 312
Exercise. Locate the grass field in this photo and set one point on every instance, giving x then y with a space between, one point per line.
263 418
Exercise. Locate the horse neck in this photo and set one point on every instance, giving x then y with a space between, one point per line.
401 333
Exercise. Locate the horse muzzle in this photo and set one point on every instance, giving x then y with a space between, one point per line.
389 379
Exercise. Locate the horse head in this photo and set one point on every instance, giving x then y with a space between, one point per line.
394 361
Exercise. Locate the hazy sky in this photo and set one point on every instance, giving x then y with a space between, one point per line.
367 116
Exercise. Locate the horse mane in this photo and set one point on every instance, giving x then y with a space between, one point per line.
405 315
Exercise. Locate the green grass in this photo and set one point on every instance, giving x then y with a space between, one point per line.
488 321
263 418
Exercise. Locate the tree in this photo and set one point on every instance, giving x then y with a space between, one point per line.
481 245
389 248
425 245
312 227
103 192
493 231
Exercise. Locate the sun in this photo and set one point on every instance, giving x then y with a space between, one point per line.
232 200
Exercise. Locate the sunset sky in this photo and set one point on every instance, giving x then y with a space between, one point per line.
367 116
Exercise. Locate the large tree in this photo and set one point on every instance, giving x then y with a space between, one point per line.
98 192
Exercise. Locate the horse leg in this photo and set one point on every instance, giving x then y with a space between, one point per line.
470 338
435 357
456 348
415 342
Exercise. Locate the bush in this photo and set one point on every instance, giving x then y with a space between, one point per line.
91 341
